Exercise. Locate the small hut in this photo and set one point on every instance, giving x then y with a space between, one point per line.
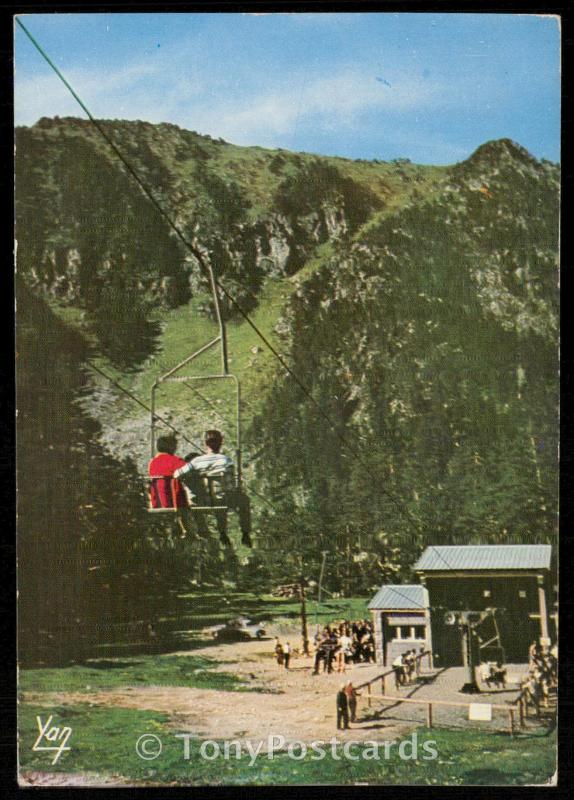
513 582
401 621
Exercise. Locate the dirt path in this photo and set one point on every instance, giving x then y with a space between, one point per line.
291 703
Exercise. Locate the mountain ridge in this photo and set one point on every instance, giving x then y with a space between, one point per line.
417 304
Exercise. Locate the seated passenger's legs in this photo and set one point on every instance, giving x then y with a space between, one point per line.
181 523
240 502
244 511
221 520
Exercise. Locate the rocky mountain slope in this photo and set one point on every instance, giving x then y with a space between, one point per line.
417 304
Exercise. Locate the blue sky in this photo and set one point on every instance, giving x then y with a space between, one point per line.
429 87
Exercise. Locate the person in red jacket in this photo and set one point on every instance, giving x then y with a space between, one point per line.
166 492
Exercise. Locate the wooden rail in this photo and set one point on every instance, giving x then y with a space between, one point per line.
510 709
384 675
518 706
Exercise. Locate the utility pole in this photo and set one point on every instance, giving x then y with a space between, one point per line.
471 686
348 571
304 632
324 553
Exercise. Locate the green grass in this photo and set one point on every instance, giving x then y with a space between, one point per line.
111 673
185 329
209 608
249 168
103 742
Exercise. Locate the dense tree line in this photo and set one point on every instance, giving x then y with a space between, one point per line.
431 346
92 567
428 337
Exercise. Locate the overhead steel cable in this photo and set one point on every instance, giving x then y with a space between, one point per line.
143 405
168 424
196 252
175 430
188 244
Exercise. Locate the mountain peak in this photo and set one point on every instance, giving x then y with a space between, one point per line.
500 149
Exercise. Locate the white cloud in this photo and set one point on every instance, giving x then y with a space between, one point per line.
46 95
230 105
339 100
267 108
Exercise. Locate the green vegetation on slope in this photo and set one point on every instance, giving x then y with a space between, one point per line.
98 674
417 304
103 743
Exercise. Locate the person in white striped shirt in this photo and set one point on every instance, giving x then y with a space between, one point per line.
213 463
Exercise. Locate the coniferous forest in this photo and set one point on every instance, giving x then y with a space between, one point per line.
417 305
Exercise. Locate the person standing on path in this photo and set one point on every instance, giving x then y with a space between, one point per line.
352 695
286 654
342 709
279 652
399 668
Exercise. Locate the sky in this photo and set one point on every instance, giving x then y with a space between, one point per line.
423 86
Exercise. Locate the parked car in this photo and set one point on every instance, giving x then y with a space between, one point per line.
238 630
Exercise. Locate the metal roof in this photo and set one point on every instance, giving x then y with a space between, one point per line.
485 557
401 596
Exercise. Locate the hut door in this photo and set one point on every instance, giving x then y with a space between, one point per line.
387 636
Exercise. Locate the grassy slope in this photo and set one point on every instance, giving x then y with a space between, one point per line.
104 738
184 329
253 169
211 608
103 742
157 670
205 609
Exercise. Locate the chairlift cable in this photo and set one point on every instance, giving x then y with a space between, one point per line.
200 258
91 365
196 252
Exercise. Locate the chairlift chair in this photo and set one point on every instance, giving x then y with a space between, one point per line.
215 492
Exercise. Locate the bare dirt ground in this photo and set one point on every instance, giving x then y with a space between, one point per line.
83 779
291 703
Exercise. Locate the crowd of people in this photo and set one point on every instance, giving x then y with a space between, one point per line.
335 646
542 675
338 645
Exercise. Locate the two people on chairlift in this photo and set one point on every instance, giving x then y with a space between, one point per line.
191 472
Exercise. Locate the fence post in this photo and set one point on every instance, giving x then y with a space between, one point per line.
383 687
511 720
429 715
521 711
369 694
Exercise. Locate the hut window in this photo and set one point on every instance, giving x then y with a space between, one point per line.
486 593
522 593
407 632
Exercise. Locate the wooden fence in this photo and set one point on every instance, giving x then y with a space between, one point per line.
515 710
